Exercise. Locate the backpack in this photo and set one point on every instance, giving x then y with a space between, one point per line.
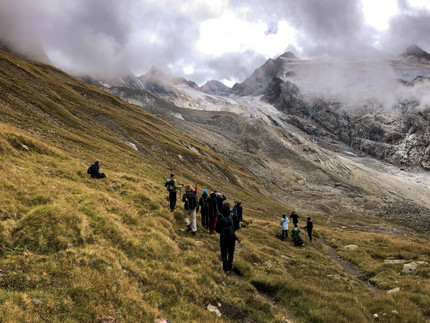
205 203
235 219
225 227
89 170
170 185
190 200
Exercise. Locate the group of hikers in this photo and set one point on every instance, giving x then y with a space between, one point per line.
216 216
295 232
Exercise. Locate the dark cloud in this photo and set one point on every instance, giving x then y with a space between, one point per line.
110 37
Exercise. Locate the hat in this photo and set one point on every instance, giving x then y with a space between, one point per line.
219 194
205 191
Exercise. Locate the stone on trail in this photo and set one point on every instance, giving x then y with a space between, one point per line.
285 257
36 301
351 246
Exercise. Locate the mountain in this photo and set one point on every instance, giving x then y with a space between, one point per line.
78 250
215 87
413 52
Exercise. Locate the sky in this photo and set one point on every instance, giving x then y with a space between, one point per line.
202 40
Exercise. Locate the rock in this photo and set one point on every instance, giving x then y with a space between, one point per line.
107 319
351 246
219 304
158 320
394 290
395 312
224 283
408 268
285 257
394 261
182 230
25 147
214 309
375 316
36 301
422 263
384 314
267 263
199 243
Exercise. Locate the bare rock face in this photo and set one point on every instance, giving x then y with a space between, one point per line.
400 136
216 87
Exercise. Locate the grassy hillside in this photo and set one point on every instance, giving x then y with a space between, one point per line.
74 249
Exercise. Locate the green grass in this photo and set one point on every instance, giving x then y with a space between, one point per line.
88 249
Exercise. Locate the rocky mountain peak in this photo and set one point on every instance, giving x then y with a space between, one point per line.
414 51
215 87
288 55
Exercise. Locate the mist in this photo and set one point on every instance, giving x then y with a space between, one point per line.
111 38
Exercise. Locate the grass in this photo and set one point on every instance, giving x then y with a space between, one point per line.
76 250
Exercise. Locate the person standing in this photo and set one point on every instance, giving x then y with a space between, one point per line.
220 198
284 226
190 206
225 228
204 208
213 212
237 215
172 188
295 218
309 226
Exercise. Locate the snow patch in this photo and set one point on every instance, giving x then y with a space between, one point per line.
178 115
132 145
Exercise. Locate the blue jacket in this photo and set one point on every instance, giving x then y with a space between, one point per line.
284 223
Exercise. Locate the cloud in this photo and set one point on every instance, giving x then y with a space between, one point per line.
110 37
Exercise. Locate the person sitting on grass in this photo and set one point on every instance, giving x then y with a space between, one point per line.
94 170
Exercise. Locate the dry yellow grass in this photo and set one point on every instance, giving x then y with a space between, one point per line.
76 250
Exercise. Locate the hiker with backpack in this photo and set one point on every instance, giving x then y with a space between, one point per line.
295 218
236 213
94 170
297 239
284 226
309 226
213 212
204 208
190 207
172 188
225 228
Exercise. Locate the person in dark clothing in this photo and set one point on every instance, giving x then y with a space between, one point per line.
212 211
94 170
297 239
225 228
173 189
309 226
237 215
295 218
204 208
220 198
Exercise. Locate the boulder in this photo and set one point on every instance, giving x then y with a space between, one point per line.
394 290
408 268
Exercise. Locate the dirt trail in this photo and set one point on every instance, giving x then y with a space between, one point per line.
351 269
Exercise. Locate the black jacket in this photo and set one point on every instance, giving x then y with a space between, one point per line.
212 204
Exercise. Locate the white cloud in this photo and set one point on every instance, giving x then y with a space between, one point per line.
377 14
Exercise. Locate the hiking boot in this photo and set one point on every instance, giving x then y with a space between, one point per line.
193 233
189 228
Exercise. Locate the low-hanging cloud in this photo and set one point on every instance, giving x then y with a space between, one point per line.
112 38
